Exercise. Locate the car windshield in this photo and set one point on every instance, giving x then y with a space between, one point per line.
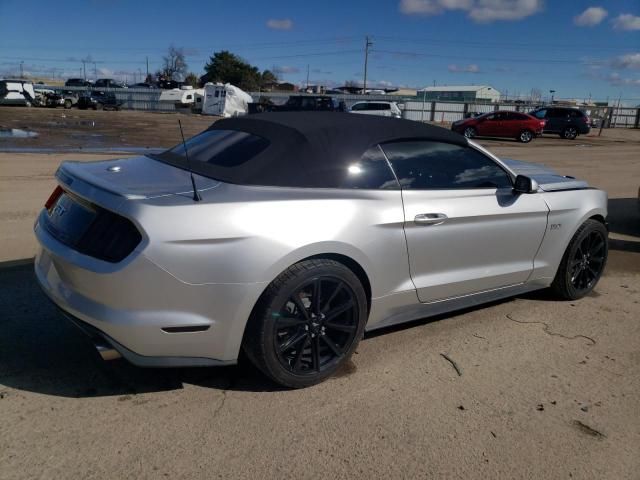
222 148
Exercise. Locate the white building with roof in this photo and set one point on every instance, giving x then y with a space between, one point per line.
460 93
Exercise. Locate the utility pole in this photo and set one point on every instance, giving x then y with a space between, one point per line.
147 68
307 77
552 92
95 71
367 44
21 68
84 68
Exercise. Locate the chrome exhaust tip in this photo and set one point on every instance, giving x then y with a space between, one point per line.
107 352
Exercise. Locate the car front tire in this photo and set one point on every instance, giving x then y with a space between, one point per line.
307 323
469 132
583 262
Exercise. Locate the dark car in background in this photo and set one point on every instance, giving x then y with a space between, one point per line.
508 124
565 121
77 82
298 103
99 101
108 83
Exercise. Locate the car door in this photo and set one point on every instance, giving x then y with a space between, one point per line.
489 126
511 124
556 119
466 230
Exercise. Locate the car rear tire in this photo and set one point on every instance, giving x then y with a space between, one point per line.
525 136
583 262
469 132
307 323
98 106
569 133
67 104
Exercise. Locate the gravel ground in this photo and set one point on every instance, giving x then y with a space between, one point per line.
547 389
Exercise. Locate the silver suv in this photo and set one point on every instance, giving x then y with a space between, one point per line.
382 108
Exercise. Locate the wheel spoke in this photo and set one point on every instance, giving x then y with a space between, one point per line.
300 305
316 296
298 358
332 297
290 321
330 315
315 349
329 343
340 328
292 341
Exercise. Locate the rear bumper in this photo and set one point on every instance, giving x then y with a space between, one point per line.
148 315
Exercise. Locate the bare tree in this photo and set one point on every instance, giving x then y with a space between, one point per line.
536 95
174 64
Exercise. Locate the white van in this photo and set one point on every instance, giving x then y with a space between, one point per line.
382 108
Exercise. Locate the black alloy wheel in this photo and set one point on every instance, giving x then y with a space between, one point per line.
588 261
583 262
307 323
316 325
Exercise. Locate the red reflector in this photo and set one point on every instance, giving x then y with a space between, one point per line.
54 196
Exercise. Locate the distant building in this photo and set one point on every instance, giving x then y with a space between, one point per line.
460 93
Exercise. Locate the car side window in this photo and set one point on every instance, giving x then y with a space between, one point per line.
575 114
424 165
379 106
358 106
372 171
540 113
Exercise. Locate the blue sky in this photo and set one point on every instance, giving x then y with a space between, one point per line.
578 48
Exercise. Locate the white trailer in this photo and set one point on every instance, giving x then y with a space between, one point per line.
225 100
180 97
17 92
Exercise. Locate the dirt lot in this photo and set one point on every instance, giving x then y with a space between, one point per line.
548 389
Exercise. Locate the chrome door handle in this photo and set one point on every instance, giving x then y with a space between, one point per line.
430 218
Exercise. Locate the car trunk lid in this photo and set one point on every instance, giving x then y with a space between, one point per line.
133 178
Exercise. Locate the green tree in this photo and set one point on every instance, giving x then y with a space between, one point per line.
227 67
268 78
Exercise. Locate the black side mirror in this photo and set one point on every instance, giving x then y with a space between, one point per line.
524 184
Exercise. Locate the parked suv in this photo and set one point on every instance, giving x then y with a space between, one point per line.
384 109
99 101
77 82
108 83
565 121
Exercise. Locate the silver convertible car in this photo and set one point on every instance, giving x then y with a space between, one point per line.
288 235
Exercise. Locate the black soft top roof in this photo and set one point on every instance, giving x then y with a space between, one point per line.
307 148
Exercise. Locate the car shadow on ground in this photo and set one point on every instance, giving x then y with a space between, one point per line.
41 351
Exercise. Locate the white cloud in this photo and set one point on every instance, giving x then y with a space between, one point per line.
617 80
471 68
590 17
280 23
478 10
626 22
630 61
490 10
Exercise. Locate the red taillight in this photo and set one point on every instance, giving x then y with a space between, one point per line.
53 197
543 123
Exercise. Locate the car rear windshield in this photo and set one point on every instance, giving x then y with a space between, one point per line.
222 148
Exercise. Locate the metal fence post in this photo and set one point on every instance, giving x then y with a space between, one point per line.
636 123
433 111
